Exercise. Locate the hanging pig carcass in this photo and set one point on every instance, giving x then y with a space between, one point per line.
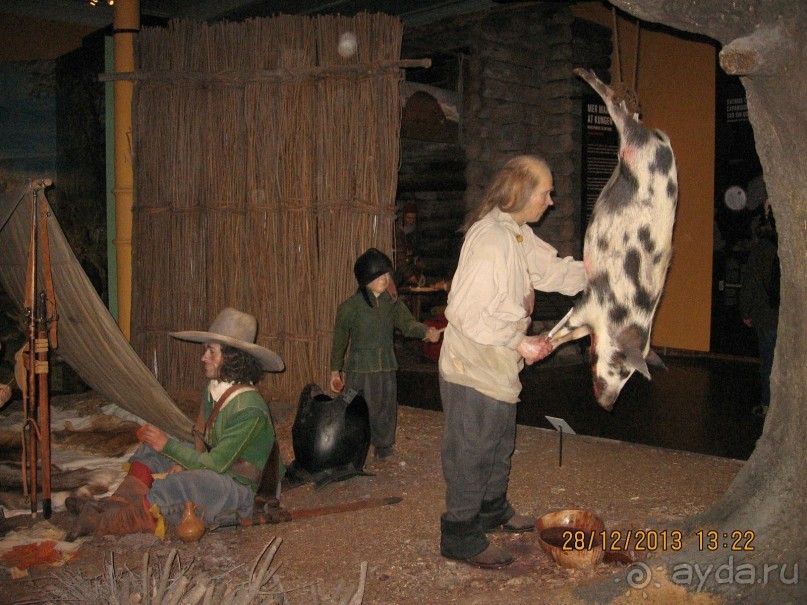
626 253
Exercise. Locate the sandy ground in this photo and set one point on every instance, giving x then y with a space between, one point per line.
628 486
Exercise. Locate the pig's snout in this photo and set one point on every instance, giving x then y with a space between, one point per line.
606 399
608 383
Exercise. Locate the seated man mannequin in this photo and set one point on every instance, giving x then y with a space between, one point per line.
234 436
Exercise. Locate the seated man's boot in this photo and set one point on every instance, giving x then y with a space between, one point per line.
85 523
119 520
77 499
130 519
135 484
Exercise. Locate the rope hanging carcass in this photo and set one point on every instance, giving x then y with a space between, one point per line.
623 92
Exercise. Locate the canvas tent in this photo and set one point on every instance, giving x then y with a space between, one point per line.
89 338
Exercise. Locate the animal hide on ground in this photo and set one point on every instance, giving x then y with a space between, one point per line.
91 441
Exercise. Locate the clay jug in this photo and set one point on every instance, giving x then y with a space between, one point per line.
191 528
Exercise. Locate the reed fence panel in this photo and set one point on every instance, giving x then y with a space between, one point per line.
265 163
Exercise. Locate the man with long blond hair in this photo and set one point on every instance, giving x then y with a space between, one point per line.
485 346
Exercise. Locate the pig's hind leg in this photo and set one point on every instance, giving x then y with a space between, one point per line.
615 108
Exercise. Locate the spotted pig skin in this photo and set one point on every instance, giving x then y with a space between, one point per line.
627 251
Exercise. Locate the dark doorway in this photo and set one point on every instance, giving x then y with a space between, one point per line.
739 196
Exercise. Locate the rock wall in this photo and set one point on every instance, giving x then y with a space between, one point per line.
519 95
432 177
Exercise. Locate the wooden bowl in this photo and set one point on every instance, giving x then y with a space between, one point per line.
573 538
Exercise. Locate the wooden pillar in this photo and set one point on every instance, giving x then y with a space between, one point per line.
126 25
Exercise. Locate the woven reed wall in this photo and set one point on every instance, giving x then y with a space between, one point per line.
264 165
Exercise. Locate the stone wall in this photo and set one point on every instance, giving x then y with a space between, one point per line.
432 177
519 96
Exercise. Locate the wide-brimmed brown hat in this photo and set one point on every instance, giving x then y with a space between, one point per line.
236 329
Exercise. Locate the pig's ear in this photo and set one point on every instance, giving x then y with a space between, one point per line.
653 359
635 361
631 340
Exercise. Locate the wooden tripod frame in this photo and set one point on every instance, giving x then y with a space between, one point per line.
40 313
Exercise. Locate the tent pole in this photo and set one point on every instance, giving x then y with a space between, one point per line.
109 106
126 25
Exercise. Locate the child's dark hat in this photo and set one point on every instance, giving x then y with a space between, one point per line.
370 266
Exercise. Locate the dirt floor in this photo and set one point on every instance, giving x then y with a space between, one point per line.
320 558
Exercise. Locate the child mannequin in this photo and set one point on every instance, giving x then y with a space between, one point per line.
366 322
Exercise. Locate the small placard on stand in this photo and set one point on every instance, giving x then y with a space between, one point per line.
561 426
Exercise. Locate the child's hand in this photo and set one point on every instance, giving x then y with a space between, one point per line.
337 384
433 335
